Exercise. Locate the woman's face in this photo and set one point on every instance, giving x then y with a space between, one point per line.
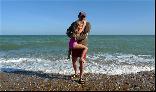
82 18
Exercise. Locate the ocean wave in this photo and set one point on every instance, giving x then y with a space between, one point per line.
111 64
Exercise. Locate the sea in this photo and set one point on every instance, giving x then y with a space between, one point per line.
107 54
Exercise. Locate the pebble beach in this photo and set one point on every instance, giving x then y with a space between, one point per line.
38 81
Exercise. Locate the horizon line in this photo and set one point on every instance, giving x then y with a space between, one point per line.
65 35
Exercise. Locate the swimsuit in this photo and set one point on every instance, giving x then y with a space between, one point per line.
72 43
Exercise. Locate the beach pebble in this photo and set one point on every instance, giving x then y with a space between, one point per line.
46 80
95 82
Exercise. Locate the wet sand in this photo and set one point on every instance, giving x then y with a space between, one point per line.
38 81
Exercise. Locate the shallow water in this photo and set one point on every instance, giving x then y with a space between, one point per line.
107 54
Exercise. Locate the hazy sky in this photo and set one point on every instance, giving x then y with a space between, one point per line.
53 17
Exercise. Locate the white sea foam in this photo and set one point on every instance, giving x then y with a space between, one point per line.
99 63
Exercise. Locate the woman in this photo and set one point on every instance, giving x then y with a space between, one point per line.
73 42
78 43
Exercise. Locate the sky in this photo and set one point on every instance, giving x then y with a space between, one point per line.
53 17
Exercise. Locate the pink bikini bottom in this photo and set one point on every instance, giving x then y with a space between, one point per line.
72 43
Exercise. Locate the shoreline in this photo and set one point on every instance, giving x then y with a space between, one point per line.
39 81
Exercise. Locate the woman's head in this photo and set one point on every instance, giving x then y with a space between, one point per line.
82 15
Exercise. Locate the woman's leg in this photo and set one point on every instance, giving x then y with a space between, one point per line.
81 68
80 46
74 59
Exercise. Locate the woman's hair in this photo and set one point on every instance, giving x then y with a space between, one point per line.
82 15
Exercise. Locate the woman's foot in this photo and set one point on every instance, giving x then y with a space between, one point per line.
81 81
74 76
82 60
68 57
